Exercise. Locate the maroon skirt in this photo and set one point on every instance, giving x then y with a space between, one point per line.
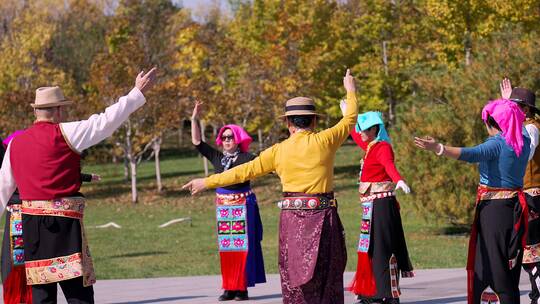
312 256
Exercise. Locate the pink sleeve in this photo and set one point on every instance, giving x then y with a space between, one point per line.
358 139
385 156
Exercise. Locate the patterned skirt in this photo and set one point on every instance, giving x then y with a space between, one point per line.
239 233
14 286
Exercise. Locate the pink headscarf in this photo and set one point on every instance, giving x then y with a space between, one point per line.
11 137
241 137
510 119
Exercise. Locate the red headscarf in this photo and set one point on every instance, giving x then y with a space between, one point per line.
241 137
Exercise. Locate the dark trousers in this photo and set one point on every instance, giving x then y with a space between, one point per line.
497 244
73 290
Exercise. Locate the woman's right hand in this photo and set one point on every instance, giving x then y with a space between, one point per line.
196 109
426 143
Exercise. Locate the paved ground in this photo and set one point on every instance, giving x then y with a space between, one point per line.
437 286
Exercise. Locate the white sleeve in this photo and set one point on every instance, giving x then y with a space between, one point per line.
81 135
533 134
7 182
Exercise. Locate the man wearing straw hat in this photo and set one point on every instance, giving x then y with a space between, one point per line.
526 100
312 254
44 163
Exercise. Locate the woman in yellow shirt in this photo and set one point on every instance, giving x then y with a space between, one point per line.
312 253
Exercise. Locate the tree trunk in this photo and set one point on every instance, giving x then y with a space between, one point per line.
260 138
126 168
390 98
133 167
203 138
156 146
132 163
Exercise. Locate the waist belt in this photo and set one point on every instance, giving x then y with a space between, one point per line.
376 187
233 198
489 193
371 197
304 201
72 207
532 191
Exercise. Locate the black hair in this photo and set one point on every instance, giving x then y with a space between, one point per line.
376 127
301 121
492 123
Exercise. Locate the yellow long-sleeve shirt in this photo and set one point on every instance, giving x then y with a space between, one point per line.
304 162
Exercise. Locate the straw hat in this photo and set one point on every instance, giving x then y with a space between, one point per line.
300 106
48 97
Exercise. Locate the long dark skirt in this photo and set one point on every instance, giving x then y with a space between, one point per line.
388 247
312 256
498 257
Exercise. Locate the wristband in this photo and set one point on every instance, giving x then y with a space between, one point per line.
441 150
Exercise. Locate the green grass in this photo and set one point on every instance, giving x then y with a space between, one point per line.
141 250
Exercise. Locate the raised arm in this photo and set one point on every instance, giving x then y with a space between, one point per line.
195 127
337 134
85 133
7 181
261 165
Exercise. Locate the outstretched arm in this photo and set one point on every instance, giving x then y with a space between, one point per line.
337 134
85 133
261 165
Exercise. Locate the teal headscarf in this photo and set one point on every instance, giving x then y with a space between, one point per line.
370 119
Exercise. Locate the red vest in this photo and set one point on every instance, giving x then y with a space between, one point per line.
43 164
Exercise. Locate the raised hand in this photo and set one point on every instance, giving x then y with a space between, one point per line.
195 186
144 82
196 109
506 88
348 82
426 143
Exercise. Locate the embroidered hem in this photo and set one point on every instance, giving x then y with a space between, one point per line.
531 254
54 269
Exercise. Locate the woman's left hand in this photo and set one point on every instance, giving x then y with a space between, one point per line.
426 143
96 177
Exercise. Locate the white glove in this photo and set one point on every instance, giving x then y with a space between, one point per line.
343 106
401 185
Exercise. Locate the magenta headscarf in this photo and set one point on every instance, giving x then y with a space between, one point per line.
11 137
510 119
241 137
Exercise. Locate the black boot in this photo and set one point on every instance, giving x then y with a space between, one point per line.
391 301
362 300
241 295
227 295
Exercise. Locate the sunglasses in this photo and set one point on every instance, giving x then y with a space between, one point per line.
227 137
